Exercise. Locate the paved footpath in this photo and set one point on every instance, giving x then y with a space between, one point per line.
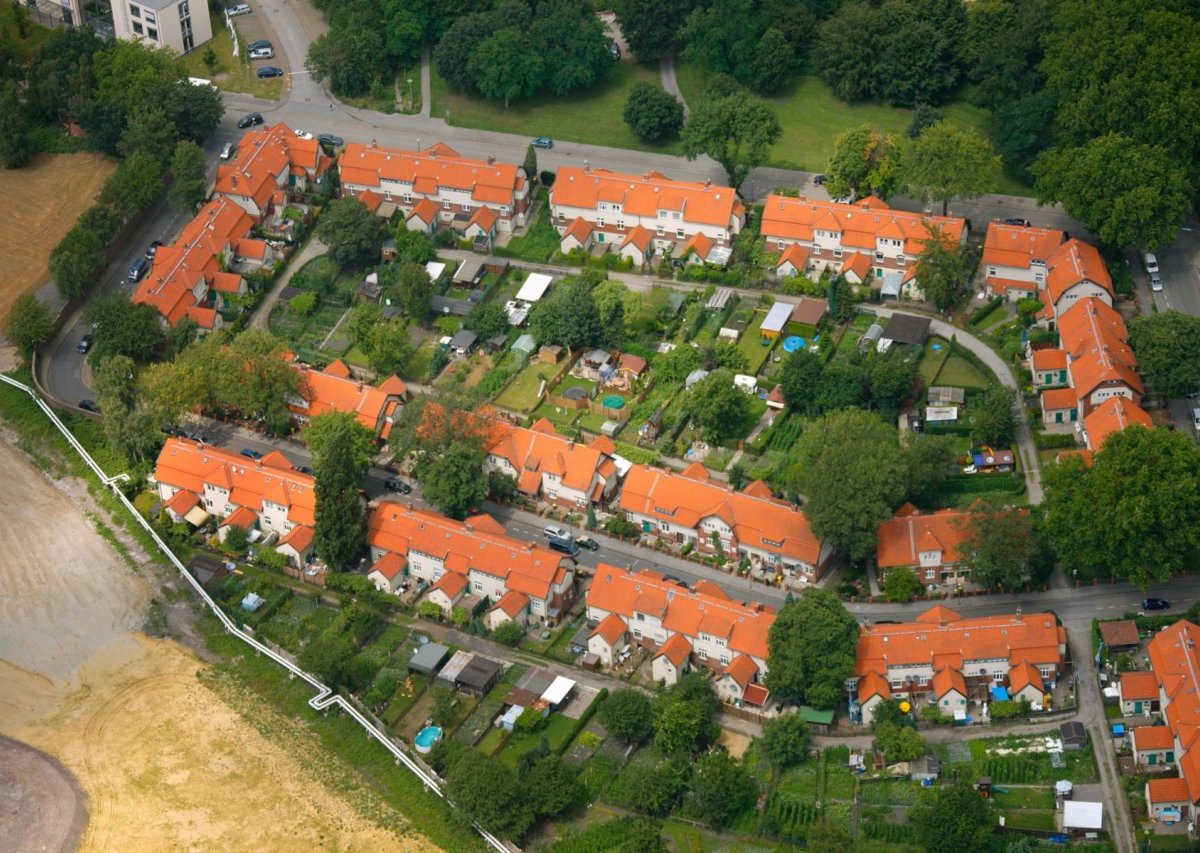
314 248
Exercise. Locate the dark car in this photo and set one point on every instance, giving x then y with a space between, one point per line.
249 120
395 484
543 142
588 542
331 139
251 453
139 269
198 436
153 250
304 469
1024 223
566 546
89 406
85 344
819 180
1155 604
269 71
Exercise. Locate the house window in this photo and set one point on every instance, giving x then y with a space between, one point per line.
837 253
930 574
679 235
998 677
720 641
602 206
897 683
991 270
135 12
562 217
600 222
477 586
816 250
150 17
620 224
1046 671
504 210
408 198
137 28
659 231
703 655
922 680
662 525
446 204
879 257
466 208
900 260
724 660
183 10
387 195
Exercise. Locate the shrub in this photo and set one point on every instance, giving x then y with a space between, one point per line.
531 720
304 304
429 610
547 179
510 633
621 526
984 311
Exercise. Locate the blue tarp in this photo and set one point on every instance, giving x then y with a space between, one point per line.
999 693
1118 730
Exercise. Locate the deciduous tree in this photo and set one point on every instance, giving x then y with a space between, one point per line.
994 417
488 792
627 715
352 57
504 66
683 716
338 466
948 161
148 131
785 741
811 649
735 129
488 319
899 743
136 183
129 429
329 427
1132 514
122 328
28 323
651 27
717 406
864 162
901 585
190 181
15 148
957 819
652 112
453 482
999 546
353 234
944 268
1168 351
411 287
720 789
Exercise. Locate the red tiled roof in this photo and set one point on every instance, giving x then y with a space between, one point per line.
332 390
580 230
999 285
796 218
1112 416
947 679
1033 637
1152 737
189 465
485 218
182 501
1025 675
464 547
611 629
640 238
634 364
1139 685
860 265
264 160
437 168
644 195
425 210
1049 359
1123 633
242 517
796 255
299 537
390 565
873 684
1055 399
701 245
689 498
513 603
451 583
1018 245
1072 263
677 650
1174 790
682 612
902 539
540 449
742 670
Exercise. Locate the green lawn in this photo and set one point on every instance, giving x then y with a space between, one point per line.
960 373
593 116
36 33
558 729
751 344
234 73
521 393
537 245
932 360
812 117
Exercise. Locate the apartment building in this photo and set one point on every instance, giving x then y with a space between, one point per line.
943 658
177 25
420 544
600 206
1176 667
437 187
692 508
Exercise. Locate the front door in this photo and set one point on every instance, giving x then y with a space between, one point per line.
1153 758
1137 707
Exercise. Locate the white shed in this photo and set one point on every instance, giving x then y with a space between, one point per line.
534 288
1078 815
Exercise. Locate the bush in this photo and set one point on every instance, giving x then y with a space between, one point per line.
622 527
510 633
304 304
984 311
547 179
531 720
1009 709
429 610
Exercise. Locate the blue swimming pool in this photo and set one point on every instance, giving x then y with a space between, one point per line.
427 737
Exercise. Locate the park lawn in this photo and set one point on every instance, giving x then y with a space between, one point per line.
521 393
233 73
594 116
812 117
959 373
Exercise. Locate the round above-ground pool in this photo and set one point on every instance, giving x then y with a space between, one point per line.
793 343
614 401
575 393
426 738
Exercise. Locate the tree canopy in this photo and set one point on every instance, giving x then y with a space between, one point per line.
329 427
652 112
122 328
683 716
453 481
488 792
955 818
944 268
999 546
28 323
994 419
353 234
1168 351
785 741
627 715
720 789
734 128
947 161
339 533
811 649
1132 514
864 162
717 406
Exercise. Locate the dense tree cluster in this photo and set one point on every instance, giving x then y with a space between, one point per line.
516 50
813 386
733 127
1168 351
339 466
811 649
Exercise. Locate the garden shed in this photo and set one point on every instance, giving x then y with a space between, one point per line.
428 659
1074 735
776 319
478 677
719 299
906 329
534 288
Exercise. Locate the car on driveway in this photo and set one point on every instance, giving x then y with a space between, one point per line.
85 344
249 120
304 469
251 453
269 71
239 9
262 53
395 484
819 180
588 542
543 142
89 406
1149 604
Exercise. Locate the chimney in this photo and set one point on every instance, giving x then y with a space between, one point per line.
234 179
587 167
1018 614
708 182
491 159
374 145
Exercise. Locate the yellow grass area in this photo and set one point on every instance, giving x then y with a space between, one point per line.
38 205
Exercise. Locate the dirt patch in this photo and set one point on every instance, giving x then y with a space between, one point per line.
38 205
736 742
171 754
42 807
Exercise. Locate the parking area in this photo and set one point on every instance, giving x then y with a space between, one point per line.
256 26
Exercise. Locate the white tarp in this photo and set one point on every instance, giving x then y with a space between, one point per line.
435 270
558 690
534 287
941 414
1080 815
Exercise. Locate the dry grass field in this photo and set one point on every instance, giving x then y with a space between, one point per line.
38 205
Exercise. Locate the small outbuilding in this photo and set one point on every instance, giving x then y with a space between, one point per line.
464 342
1121 636
428 659
478 677
469 272
905 329
1074 735
776 319
534 288
809 311
1082 817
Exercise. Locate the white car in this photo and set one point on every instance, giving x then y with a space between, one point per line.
239 9
1156 282
303 134
262 53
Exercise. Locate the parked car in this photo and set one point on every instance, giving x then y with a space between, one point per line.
227 150
1150 262
198 436
543 142
331 139
89 406
303 134
395 484
819 180
139 269
304 469
614 50
85 344
553 531
566 546
588 542
249 120
251 453
258 45
239 9
1155 604
268 71
152 249
1156 282
1024 223
262 53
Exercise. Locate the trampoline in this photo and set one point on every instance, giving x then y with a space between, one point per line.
614 401
793 343
574 393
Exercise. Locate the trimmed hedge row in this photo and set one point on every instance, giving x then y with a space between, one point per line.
984 311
